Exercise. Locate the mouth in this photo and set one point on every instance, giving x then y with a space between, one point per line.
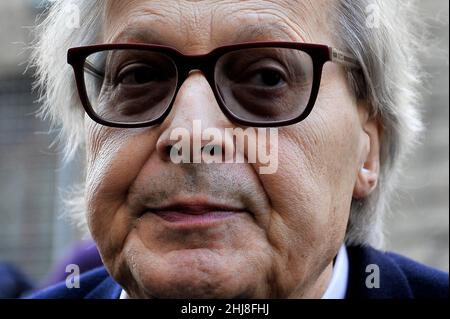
191 215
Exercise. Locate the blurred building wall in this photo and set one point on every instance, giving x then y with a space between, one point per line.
419 225
31 233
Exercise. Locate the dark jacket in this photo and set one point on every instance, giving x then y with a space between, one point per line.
399 278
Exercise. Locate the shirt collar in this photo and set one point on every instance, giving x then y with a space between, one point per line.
337 288
123 294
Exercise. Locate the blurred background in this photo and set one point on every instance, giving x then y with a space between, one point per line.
33 235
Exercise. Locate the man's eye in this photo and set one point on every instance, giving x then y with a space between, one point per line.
266 78
137 75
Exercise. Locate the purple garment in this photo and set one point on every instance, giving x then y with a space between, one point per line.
13 282
84 254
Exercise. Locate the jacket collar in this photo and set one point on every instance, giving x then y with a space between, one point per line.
108 289
392 280
366 262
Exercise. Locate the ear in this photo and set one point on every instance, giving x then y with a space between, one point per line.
369 169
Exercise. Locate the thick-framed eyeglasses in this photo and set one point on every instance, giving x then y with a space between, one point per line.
262 84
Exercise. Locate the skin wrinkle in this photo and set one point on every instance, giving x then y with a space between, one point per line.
293 32
286 246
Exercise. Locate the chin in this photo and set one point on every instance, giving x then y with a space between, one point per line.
194 274
195 285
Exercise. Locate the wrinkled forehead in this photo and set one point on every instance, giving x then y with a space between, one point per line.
202 25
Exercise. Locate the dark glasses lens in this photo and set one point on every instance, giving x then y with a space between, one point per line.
255 85
265 84
129 86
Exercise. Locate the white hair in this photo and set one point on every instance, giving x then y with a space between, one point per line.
381 34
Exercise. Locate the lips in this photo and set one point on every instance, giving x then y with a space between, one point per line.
190 215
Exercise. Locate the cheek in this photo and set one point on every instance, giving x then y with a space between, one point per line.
109 152
114 159
317 162
312 189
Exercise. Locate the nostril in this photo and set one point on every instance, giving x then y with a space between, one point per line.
208 149
171 152
168 149
205 150
165 151
212 150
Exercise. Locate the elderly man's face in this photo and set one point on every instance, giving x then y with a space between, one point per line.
271 235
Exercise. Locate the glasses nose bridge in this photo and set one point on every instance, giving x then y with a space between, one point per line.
187 64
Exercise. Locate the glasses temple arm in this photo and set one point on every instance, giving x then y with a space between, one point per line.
345 59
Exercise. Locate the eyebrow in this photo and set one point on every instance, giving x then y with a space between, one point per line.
247 33
266 32
138 34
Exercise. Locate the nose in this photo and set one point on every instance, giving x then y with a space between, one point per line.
195 118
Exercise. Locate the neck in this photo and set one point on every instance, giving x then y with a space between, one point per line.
316 289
